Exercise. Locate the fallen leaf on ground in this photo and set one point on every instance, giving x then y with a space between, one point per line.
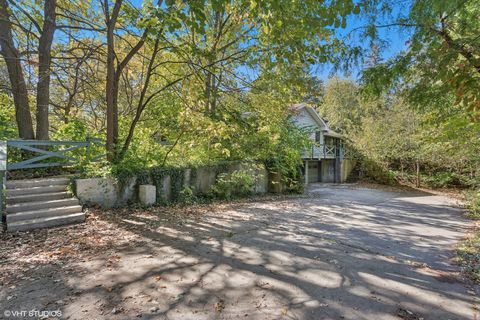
405 314
220 305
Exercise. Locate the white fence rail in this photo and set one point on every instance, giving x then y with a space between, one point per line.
326 152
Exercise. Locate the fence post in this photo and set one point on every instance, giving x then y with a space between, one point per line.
3 177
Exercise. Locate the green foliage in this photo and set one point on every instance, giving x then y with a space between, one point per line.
8 126
441 63
391 136
74 130
158 175
468 255
145 150
233 185
176 180
187 196
184 117
340 105
443 179
285 158
473 204
376 172
96 169
176 133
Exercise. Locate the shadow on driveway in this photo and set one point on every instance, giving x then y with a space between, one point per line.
342 253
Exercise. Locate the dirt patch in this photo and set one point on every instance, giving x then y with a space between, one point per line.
22 253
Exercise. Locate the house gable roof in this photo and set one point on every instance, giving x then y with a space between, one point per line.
297 108
311 112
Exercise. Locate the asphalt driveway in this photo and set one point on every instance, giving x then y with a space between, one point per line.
343 252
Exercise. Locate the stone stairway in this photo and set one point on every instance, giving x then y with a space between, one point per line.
40 203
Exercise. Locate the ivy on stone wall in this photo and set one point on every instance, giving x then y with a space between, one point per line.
158 175
178 185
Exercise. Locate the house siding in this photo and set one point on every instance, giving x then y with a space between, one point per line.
305 120
325 161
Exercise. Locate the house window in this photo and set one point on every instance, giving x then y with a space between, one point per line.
317 136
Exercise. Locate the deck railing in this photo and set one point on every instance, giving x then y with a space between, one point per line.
323 151
320 152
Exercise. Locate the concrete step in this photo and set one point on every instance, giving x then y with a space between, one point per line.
37 197
38 205
37 214
46 222
35 190
14 184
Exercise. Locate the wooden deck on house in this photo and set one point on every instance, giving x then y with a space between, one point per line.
318 152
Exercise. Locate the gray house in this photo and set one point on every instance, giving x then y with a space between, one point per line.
328 159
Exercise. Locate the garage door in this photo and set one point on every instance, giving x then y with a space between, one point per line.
313 171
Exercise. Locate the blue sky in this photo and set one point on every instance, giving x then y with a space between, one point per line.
393 42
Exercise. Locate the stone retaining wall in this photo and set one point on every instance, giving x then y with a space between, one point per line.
107 192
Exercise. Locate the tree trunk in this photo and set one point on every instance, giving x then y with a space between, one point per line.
141 104
111 86
210 79
114 73
44 60
15 73
208 85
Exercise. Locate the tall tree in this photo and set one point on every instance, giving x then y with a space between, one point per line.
45 28
44 62
115 68
443 55
18 85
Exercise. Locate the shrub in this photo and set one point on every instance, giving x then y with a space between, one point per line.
468 255
232 185
285 158
442 179
473 204
187 196
376 172
74 130
468 252
8 125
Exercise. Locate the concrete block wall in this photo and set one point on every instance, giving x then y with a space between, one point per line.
147 194
347 167
328 170
107 192
165 193
204 180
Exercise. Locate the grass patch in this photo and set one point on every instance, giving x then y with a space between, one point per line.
468 255
473 204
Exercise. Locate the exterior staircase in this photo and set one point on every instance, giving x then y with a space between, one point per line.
40 203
